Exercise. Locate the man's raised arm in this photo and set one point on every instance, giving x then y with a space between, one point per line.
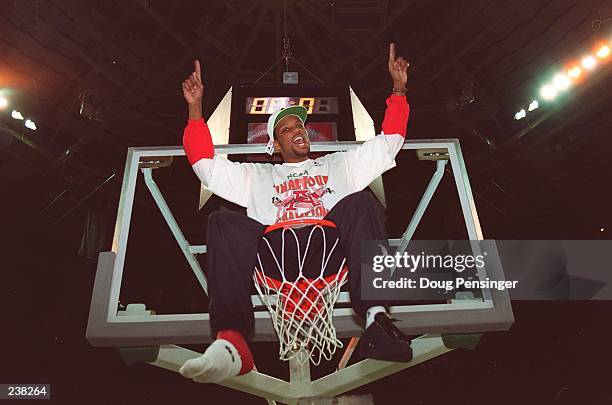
377 155
228 180
197 140
398 110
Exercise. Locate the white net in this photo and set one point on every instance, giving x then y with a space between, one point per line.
302 308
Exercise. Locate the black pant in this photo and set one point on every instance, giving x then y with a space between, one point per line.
233 242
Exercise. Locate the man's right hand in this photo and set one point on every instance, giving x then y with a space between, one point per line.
193 91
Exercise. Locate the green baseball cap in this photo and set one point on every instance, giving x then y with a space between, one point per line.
274 119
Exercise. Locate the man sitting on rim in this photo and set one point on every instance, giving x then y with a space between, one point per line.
330 187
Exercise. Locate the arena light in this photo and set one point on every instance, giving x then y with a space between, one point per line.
17 115
30 124
548 92
589 62
3 103
574 72
561 81
519 115
603 52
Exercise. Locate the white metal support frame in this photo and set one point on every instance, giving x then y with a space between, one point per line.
108 326
175 229
421 207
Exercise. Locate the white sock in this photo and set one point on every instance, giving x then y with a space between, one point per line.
371 313
219 362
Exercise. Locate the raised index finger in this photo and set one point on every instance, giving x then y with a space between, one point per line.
391 55
196 66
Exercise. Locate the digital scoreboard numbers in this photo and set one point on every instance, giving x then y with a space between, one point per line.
269 105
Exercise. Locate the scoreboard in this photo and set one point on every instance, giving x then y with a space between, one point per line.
269 105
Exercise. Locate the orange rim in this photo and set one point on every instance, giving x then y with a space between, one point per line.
288 224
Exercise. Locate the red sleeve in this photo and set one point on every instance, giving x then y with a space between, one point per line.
197 141
396 115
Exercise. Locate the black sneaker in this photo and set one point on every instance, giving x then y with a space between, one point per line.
382 340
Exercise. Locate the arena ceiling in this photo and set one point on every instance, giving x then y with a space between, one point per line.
473 65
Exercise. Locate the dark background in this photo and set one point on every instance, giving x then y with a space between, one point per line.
473 65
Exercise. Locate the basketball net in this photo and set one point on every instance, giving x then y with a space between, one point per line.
302 309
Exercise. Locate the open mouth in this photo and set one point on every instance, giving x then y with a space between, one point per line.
300 140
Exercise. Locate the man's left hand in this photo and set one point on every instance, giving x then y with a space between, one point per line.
398 68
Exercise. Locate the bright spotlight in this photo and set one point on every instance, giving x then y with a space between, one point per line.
30 124
3 103
520 114
603 52
548 92
574 72
589 62
533 105
17 115
561 81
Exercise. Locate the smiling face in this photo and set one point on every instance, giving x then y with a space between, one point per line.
292 139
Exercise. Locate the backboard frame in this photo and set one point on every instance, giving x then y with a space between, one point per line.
107 326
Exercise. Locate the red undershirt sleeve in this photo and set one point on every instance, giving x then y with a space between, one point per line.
197 141
396 115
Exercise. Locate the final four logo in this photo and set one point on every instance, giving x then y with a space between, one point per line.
301 197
